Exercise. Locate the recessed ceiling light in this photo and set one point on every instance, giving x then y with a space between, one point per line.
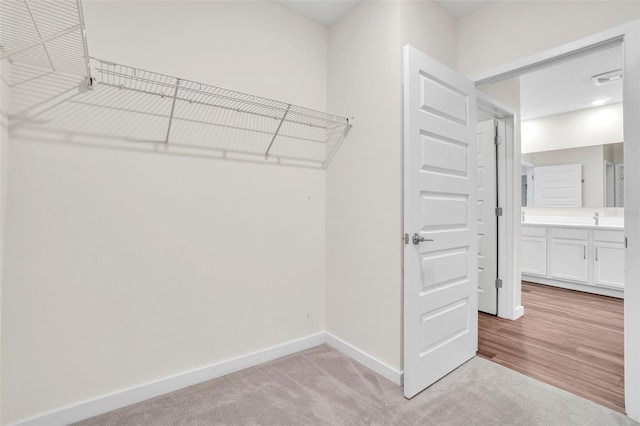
599 102
607 77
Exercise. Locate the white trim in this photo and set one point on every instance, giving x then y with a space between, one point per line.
365 359
116 400
631 55
629 37
507 223
113 401
519 312
566 52
585 288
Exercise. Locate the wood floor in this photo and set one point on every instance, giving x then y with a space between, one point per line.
568 339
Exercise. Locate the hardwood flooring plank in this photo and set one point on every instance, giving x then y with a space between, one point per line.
568 339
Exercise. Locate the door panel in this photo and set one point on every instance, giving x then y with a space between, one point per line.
440 204
487 220
608 268
534 255
569 260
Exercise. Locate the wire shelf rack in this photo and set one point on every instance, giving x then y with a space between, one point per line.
46 42
45 34
202 114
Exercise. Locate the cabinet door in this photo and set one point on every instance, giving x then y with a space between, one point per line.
608 268
569 260
534 256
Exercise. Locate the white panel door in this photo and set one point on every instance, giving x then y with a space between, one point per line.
487 220
558 186
608 268
440 221
569 260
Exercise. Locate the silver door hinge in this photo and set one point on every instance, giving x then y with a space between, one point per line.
406 238
498 211
498 283
625 242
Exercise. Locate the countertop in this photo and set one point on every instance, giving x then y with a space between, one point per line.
571 225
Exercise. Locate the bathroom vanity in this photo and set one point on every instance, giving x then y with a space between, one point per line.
587 258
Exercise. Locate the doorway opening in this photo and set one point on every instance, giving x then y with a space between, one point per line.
495 141
572 240
438 106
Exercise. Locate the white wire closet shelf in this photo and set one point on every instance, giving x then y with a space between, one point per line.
205 116
45 34
45 41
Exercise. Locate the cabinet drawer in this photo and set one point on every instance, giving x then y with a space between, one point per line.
609 236
534 231
569 233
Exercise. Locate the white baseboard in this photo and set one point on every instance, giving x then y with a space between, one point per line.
113 401
363 358
519 312
586 288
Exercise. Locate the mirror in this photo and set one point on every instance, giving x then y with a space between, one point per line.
588 176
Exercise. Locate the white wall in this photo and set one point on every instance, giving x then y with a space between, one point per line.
587 127
364 182
618 153
4 163
501 32
125 266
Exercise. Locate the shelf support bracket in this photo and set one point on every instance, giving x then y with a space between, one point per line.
59 34
266 155
173 108
345 132
85 47
3 50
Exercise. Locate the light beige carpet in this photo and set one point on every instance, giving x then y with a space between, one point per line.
320 386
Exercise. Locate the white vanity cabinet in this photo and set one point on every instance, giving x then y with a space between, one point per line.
534 251
580 258
608 265
568 254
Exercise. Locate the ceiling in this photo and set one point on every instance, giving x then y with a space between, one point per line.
459 8
328 12
554 90
568 86
325 12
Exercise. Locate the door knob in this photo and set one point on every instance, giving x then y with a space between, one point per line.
417 239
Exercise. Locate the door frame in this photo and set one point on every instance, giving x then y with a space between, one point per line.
508 305
608 165
628 37
616 185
